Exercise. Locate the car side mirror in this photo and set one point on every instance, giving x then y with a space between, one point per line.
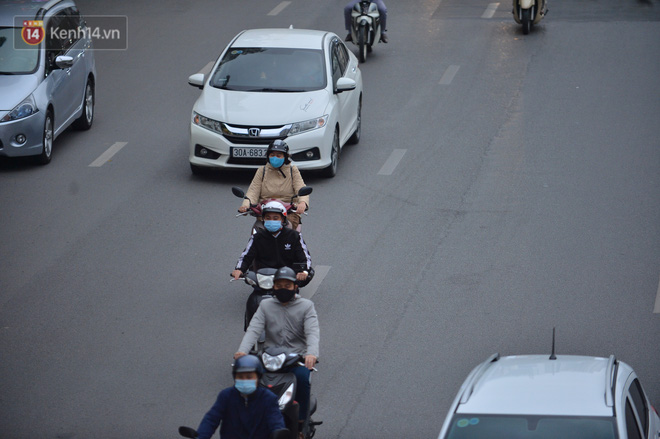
63 62
345 84
196 80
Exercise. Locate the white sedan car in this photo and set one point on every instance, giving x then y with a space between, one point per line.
551 397
301 86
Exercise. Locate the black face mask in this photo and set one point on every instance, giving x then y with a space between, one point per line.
284 295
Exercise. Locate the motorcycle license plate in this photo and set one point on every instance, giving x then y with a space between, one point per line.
245 152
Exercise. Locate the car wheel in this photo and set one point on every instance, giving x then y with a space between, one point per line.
84 122
331 170
355 138
198 170
47 141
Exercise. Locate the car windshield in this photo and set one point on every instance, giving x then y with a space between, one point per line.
531 427
16 56
270 70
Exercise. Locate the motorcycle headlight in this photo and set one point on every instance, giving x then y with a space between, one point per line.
308 125
207 123
273 363
265 282
26 108
286 397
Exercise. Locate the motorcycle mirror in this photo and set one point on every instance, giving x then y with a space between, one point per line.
238 192
188 432
305 190
282 433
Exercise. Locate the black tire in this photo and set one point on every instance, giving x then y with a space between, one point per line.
526 20
355 138
47 141
198 170
84 122
331 170
362 43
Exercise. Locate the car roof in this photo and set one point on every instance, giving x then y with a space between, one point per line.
11 9
534 384
288 37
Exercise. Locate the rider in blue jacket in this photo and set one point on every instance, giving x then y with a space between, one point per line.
245 410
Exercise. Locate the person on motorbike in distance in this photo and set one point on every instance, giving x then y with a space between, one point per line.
382 10
290 322
245 410
277 179
275 246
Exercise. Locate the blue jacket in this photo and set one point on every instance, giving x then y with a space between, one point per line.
253 418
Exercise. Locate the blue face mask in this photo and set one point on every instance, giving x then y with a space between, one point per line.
246 387
276 162
272 226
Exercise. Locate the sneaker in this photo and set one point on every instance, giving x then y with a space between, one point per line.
349 37
383 37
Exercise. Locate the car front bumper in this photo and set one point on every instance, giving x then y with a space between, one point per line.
31 127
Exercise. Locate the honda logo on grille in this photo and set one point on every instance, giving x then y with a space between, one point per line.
254 132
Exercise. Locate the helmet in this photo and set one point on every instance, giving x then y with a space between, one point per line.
281 146
275 207
285 273
247 363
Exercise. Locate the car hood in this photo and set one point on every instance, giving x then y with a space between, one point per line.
261 108
15 88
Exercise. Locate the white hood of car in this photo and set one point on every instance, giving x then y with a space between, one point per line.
261 108
15 88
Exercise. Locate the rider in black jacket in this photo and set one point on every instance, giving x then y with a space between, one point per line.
276 246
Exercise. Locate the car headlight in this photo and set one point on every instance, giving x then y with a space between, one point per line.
308 125
286 397
207 123
265 281
26 108
273 363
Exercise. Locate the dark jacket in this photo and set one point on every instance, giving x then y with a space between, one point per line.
253 418
286 249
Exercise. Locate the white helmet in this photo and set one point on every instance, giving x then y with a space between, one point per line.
274 207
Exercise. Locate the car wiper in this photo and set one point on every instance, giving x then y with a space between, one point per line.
282 90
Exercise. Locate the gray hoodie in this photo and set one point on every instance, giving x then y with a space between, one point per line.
293 326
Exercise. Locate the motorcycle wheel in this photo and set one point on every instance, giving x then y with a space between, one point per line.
362 43
526 20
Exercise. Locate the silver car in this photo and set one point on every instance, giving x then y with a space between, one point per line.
47 86
551 397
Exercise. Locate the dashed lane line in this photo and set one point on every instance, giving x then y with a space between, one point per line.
490 10
279 8
656 309
392 162
449 74
320 272
108 154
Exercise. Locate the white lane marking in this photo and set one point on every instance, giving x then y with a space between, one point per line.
320 272
656 310
207 68
490 10
449 74
107 155
279 8
392 162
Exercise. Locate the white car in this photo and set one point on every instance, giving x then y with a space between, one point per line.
301 86
537 397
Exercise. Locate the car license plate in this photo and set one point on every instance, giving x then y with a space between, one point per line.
241 152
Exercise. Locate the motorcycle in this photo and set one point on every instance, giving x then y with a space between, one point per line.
529 13
192 433
365 27
277 363
255 209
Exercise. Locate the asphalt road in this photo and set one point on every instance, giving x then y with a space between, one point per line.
504 185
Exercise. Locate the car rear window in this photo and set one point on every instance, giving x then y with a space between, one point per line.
270 70
531 427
